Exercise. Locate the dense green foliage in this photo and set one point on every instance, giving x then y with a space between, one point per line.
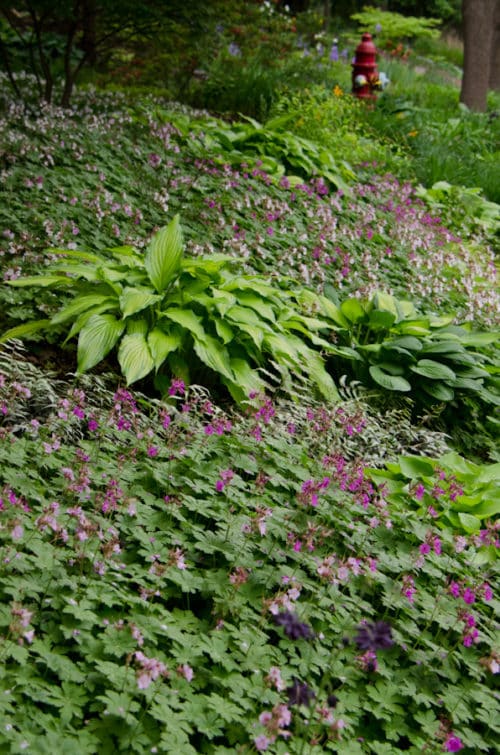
285 538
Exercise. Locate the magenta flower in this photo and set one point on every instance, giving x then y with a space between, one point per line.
469 596
453 743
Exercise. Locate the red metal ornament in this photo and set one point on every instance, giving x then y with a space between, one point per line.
365 78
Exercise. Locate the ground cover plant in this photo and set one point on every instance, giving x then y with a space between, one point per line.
180 564
181 572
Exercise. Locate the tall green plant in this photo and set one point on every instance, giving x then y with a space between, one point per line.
165 312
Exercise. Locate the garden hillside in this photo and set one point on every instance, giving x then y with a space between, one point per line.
249 389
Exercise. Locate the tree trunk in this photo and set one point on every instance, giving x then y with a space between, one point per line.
478 17
494 82
89 14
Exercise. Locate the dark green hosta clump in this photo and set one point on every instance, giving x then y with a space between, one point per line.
400 350
168 315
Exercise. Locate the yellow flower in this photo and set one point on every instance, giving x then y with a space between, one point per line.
412 133
337 91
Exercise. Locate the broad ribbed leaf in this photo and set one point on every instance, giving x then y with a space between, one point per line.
246 380
83 304
223 300
161 344
389 382
414 467
353 310
188 319
26 329
214 355
432 370
469 522
82 319
139 325
163 255
41 280
224 331
245 315
134 300
135 357
443 347
405 342
467 384
98 336
248 299
440 391
379 319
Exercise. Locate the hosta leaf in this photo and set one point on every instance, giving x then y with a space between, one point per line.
82 304
248 299
392 368
42 281
487 509
208 265
389 382
432 370
404 342
97 337
214 355
415 467
136 326
440 391
134 300
26 329
480 339
469 522
161 344
252 283
471 372
386 302
245 315
223 300
135 357
163 255
82 319
315 369
188 319
246 380
381 320
465 383
489 473
443 347
353 310
224 330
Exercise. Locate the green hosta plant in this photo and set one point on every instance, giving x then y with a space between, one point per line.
458 493
278 150
401 350
164 312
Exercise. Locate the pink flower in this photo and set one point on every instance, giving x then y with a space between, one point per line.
419 492
453 743
262 742
469 596
454 589
186 671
